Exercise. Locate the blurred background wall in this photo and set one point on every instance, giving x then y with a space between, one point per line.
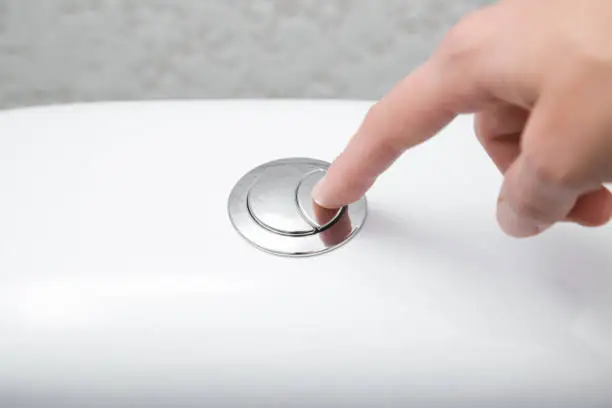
84 50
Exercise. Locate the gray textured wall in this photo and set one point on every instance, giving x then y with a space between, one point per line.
82 50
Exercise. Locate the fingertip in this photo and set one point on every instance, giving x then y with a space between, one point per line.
322 195
332 191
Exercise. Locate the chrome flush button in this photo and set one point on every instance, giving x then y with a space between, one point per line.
272 208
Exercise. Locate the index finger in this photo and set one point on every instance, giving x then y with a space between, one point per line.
412 112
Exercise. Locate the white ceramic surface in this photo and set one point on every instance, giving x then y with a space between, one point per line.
123 283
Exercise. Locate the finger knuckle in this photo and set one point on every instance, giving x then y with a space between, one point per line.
463 40
457 45
389 149
373 111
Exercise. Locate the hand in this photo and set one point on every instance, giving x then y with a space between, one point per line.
538 75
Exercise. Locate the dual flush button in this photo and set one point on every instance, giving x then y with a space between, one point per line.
272 208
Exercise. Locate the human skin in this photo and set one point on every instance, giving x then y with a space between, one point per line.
538 77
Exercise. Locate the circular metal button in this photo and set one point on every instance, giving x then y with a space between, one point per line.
272 208
273 198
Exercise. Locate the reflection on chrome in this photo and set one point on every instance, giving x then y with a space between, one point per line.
338 231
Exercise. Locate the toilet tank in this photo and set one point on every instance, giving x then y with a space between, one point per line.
125 283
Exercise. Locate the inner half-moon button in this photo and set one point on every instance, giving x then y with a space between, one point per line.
314 214
272 201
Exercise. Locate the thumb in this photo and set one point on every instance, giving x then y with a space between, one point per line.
556 174
530 202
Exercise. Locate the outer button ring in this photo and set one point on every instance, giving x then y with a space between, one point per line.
271 223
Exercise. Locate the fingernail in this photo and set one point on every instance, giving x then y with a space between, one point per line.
514 225
321 193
